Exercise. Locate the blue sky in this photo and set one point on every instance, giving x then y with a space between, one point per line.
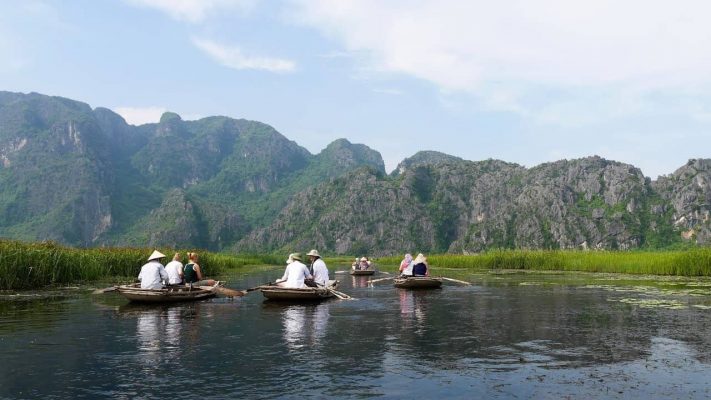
525 82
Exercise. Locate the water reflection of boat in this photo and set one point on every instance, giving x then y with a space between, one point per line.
418 282
304 326
359 281
362 272
166 295
275 292
411 308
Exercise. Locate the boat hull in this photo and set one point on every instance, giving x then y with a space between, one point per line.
418 282
293 294
165 295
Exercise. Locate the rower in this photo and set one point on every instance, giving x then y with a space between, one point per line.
318 266
153 273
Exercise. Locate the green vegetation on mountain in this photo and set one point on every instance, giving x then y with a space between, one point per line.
86 178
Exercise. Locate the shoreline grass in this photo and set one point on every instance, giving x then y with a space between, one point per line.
693 262
38 265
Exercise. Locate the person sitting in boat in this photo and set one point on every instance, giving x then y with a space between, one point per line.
420 266
153 273
356 264
406 265
364 264
192 273
175 270
318 268
295 274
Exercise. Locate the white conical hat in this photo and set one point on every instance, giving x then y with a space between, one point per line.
156 255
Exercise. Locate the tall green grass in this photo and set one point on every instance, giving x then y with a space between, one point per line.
693 262
37 265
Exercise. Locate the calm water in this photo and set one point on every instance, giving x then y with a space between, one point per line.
507 336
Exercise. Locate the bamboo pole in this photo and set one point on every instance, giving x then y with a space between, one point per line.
380 280
456 280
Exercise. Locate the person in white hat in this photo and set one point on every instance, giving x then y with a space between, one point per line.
318 268
364 263
153 275
295 274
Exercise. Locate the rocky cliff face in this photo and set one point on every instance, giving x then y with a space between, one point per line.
85 177
462 207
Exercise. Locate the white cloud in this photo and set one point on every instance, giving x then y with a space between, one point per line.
140 115
194 11
232 57
506 53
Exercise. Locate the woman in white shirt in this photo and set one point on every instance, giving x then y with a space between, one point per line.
295 274
175 270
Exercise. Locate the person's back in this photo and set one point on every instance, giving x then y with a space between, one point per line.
295 274
406 265
419 266
175 271
320 272
152 275
189 273
419 269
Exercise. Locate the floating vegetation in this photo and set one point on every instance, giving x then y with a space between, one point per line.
653 303
701 306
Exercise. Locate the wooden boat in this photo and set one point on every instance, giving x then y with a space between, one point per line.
275 292
167 295
362 271
418 282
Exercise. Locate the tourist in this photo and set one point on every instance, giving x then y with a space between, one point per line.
318 268
153 275
355 264
420 267
406 265
295 274
192 273
364 263
175 270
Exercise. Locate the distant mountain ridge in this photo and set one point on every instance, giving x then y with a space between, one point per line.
85 177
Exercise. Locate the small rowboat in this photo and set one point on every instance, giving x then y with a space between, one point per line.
418 282
275 292
362 272
167 295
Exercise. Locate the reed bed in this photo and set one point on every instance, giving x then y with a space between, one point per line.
693 262
37 265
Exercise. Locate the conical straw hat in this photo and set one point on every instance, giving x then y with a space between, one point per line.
156 255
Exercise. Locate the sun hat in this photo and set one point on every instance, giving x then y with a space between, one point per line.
156 255
363 259
420 259
314 253
295 256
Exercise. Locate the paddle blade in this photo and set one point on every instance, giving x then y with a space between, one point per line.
230 292
105 290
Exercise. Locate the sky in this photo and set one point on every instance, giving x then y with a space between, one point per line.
522 81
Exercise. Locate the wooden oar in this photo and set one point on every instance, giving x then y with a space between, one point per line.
335 292
457 281
257 287
340 295
381 279
226 291
105 290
